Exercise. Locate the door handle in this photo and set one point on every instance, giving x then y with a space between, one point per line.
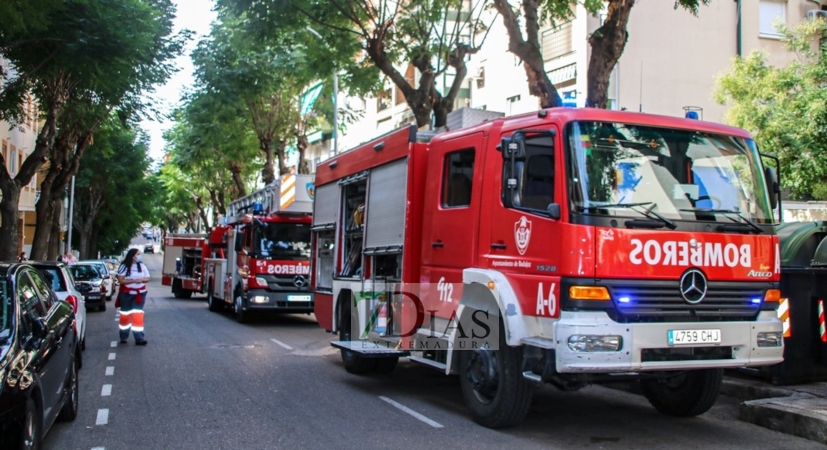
437 244
498 246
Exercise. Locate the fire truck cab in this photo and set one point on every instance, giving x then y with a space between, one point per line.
567 246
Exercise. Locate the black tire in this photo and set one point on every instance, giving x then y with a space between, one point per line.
354 362
184 293
493 385
687 395
176 288
83 343
386 365
32 427
70 408
102 307
212 303
79 357
238 304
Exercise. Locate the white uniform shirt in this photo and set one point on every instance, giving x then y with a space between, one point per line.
135 274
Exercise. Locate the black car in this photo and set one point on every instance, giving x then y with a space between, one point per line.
38 365
90 283
149 248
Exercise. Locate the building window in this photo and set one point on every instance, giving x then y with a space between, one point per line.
557 42
12 163
459 176
770 11
512 104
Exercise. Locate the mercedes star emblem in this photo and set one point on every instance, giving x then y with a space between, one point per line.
693 286
299 281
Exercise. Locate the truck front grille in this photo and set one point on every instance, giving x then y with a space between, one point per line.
661 301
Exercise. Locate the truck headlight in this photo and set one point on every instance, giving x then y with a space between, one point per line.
594 343
259 299
769 339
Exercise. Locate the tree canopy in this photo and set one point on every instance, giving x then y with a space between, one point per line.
785 108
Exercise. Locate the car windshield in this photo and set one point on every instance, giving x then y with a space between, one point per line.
283 241
54 277
681 174
6 312
83 272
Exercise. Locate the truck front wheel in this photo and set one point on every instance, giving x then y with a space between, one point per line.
238 307
354 362
686 395
493 386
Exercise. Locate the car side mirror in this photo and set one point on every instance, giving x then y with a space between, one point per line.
39 328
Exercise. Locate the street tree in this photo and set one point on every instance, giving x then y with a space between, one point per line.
607 42
785 108
100 54
427 39
113 195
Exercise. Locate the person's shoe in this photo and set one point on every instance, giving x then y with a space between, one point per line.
141 342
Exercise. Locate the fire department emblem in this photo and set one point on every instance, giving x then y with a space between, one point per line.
311 190
522 234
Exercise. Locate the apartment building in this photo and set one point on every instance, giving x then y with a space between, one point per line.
669 65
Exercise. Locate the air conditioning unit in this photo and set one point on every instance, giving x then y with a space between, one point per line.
817 14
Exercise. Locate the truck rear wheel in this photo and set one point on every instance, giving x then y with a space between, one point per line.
686 395
176 288
354 362
493 386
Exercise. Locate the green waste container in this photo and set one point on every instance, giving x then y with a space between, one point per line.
804 284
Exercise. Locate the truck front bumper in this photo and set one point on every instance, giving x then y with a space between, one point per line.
287 302
646 346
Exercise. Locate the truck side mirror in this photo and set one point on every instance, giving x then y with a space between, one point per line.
513 146
772 186
554 211
239 242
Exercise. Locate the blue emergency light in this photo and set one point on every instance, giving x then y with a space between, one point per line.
258 208
692 115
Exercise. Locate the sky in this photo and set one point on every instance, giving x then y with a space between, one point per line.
194 15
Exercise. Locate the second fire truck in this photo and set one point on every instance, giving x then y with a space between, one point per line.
258 260
594 246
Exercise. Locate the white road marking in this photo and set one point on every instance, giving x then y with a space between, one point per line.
113 344
98 448
103 417
111 356
110 370
405 409
282 344
106 391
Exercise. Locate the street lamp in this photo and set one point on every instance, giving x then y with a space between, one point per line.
335 99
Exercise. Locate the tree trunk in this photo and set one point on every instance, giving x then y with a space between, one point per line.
267 172
238 182
301 148
529 50
54 242
280 146
607 44
9 215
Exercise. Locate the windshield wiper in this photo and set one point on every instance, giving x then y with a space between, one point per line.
645 211
744 219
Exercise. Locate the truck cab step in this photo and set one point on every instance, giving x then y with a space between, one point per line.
369 349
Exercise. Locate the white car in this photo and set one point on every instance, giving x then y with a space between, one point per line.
106 274
64 286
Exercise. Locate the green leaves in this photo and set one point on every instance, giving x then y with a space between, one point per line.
785 108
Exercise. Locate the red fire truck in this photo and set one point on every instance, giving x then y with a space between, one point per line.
259 260
600 246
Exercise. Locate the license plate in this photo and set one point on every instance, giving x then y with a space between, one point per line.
298 298
683 337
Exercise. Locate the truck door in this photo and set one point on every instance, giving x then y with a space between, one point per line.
451 216
518 237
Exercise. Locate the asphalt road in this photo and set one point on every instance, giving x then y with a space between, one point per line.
207 382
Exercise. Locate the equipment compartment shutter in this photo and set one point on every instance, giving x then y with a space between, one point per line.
326 205
386 206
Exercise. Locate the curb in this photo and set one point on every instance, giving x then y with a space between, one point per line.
788 415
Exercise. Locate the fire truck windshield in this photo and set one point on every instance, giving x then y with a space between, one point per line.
282 241
678 174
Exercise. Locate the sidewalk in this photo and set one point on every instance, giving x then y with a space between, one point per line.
799 410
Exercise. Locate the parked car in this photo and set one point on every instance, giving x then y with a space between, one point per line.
38 344
149 248
63 285
89 282
106 274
